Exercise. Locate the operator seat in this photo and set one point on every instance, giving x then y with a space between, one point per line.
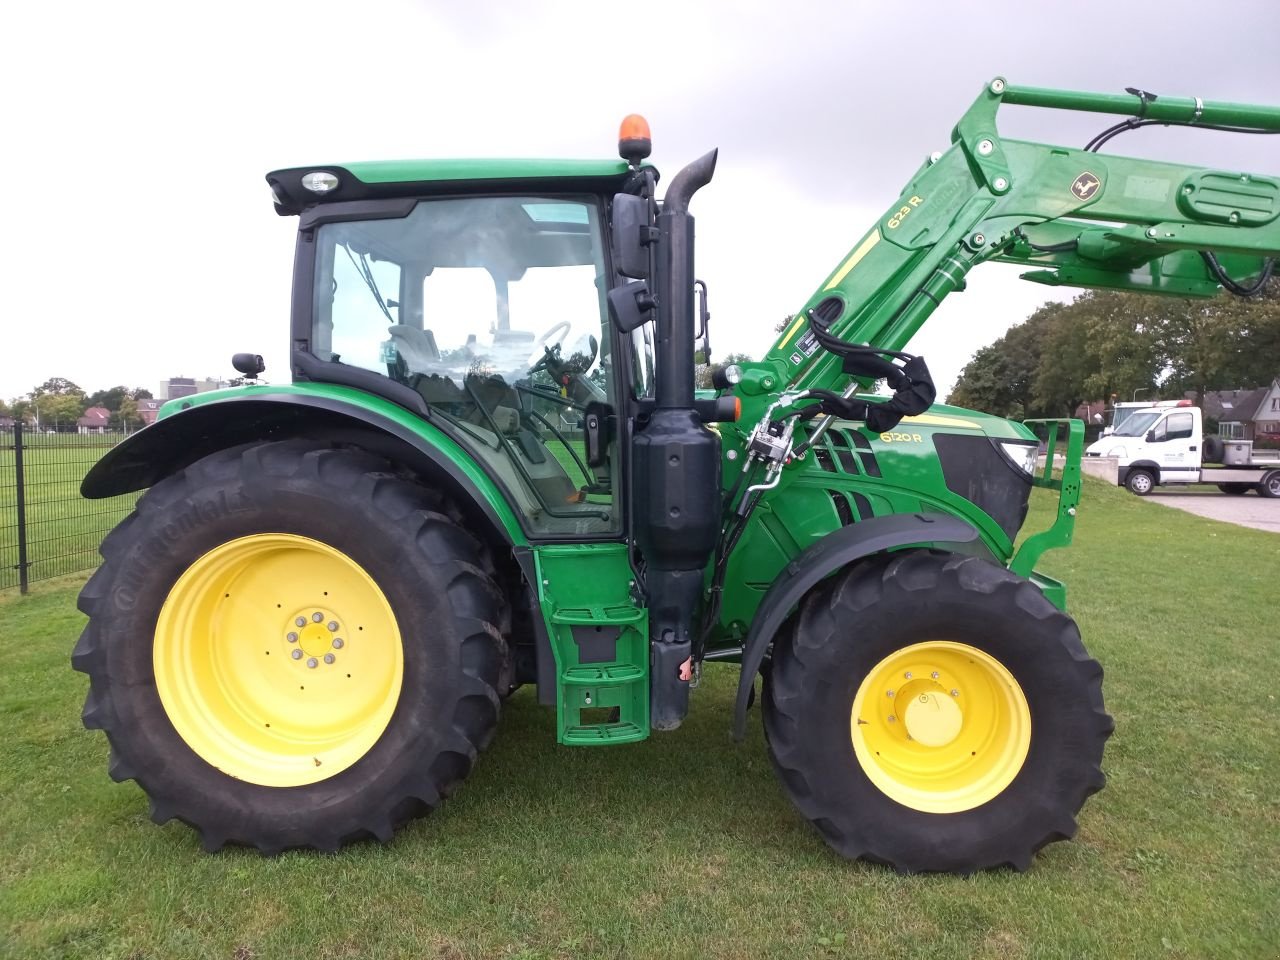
416 346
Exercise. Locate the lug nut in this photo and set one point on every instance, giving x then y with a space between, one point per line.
955 693
892 718
297 654
301 621
333 626
317 616
888 693
337 643
329 658
907 675
934 674
293 637
312 662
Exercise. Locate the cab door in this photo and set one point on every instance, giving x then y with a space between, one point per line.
1175 445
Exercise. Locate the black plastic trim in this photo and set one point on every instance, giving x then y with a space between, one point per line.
833 552
179 440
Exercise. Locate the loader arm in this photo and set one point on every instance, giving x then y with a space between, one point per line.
1074 217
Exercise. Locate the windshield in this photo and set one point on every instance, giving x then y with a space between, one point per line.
1136 424
492 310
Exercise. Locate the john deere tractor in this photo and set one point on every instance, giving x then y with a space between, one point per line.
491 468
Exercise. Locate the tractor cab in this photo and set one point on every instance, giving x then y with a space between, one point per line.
485 301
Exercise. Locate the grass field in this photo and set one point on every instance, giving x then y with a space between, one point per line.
683 846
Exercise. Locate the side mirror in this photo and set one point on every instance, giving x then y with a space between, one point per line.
630 305
250 364
630 235
1151 436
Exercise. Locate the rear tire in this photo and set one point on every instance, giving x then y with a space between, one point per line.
1270 485
1236 489
1140 482
192 629
916 803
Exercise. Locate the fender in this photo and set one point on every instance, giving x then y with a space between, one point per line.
207 426
820 560
1122 474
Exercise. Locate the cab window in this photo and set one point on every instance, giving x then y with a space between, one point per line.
1176 426
493 310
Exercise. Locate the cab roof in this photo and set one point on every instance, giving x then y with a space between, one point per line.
406 178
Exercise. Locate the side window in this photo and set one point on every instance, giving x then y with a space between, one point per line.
1178 426
492 309
366 294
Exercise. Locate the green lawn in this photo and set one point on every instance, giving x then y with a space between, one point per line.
683 846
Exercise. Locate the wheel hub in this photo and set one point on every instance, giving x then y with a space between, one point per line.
940 726
255 664
315 631
933 719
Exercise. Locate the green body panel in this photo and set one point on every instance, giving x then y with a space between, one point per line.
419 171
896 472
383 408
600 639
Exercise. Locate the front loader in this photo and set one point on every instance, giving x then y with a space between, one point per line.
491 468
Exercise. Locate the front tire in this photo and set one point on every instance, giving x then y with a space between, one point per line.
997 725
1140 482
291 646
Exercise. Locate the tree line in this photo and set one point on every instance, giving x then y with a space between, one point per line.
1107 344
58 403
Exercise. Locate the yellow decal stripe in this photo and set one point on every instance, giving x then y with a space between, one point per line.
863 249
800 319
935 421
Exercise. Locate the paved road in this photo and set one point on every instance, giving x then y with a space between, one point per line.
1249 510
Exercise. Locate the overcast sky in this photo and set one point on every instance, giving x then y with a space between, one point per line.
139 239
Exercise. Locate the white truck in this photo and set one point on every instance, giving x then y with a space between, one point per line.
1164 444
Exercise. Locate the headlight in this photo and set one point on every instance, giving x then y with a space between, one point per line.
1023 455
320 181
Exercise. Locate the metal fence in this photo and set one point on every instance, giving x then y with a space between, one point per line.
46 528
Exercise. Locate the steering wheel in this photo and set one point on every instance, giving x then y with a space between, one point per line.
540 349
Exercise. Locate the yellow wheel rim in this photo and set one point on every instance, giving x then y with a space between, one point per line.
278 659
940 726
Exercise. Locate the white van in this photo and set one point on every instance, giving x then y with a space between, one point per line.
1165 445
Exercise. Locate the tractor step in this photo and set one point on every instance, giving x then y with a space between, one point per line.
604 733
600 639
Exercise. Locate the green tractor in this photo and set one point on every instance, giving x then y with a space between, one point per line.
491 468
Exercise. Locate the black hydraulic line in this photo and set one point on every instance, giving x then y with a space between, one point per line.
1134 123
1232 286
1065 247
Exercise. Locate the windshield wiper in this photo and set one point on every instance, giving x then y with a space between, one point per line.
366 274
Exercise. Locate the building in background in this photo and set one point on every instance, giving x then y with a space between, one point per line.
94 420
177 387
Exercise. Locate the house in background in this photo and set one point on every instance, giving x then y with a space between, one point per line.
148 410
95 420
1241 414
1267 417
